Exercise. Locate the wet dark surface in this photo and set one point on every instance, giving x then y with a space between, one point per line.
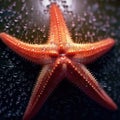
87 20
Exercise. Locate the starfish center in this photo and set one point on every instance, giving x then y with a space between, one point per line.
62 52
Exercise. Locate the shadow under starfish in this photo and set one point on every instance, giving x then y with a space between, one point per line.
61 57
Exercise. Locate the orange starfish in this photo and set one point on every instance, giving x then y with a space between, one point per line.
61 57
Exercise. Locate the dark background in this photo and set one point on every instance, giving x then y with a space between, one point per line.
88 21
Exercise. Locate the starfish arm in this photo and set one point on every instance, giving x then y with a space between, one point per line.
33 52
81 77
49 78
59 33
87 53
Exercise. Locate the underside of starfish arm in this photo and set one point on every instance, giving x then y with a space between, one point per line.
81 77
89 52
49 78
33 52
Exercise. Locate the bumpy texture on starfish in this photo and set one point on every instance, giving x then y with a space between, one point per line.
61 57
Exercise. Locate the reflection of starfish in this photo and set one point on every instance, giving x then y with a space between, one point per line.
61 58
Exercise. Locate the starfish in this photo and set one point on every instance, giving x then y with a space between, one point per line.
61 58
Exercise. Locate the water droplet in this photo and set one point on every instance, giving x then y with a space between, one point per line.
15 20
6 26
